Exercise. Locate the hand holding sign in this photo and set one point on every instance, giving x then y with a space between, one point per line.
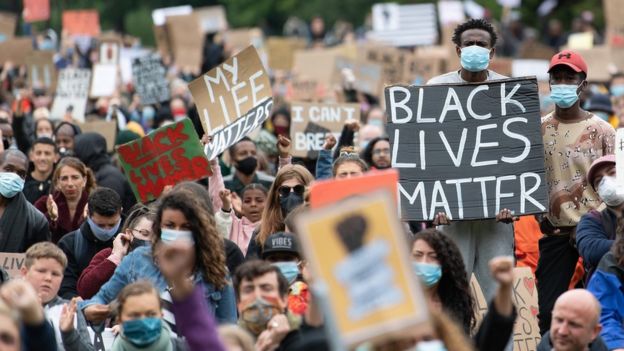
506 216
441 219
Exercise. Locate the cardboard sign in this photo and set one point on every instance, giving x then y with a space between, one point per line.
310 123
619 156
36 10
12 263
186 41
305 90
232 100
162 40
8 22
581 41
109 52
420 68
71 94
392 61
239 39
282 52
323 193
211 18
601 59
481 305
356 249
404 25
468 150
149 79
16 50
526 334
614 18
316 65
81 22
41 69
126 59
104 80
166 156
159 16
108 129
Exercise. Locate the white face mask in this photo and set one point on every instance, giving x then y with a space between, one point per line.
610 192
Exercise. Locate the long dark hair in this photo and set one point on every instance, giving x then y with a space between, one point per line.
454 287
367 153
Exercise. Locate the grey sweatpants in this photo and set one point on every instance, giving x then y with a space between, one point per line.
480 241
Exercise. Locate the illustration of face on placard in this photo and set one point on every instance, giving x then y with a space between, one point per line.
109 53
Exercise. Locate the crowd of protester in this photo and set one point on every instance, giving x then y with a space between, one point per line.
218 265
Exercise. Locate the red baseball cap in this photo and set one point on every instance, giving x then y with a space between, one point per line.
570 59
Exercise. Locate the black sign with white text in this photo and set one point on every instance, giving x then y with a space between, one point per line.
469 150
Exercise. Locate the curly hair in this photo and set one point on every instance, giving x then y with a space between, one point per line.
367 153
454 287
272 217
193 201
475 23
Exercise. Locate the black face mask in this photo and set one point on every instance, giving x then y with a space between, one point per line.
138 243
247 165
288 203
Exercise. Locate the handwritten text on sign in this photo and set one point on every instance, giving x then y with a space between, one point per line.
312 122
232 99
149 77
468 150
166 156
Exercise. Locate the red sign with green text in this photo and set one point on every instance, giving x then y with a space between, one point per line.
166 156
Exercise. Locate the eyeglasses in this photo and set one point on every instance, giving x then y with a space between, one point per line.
285 190
381 151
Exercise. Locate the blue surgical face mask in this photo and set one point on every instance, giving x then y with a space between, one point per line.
564 95
376 122
168 236
475 58
101 233
617 90
142 332
289 269
433 345
428 273
10 184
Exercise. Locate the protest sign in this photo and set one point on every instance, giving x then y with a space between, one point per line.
356 249
392 60
36 10
601 59
16 50
310 123
166 156
81 22
211 18
619 156
323 193
614 18
108 129
109 52
581 41
12 263
451 12
162 41
232 100
8 22
159 16
419 68
240 38
526 334
282 51
525 68
104 81
305 90
404 25
71 94
466 158
185 41
316 65
41 69
531 49
150 82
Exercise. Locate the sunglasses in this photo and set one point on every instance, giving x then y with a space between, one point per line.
285 190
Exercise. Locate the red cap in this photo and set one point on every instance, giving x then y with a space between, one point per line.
597 164
570 59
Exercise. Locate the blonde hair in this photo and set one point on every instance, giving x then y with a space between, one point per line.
237 335
272 217
135 289
45 249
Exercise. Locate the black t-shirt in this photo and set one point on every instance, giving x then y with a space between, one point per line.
34 189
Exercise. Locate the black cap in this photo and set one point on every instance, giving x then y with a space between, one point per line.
281 242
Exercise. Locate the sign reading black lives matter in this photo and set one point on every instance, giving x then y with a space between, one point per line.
149 78
232 100
469 150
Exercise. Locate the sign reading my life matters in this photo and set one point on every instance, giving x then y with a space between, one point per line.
166 156
232 100
469 150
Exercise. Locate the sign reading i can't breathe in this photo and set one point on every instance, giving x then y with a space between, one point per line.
468 150
232 100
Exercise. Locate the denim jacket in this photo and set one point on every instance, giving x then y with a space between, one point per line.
139 264
324 165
